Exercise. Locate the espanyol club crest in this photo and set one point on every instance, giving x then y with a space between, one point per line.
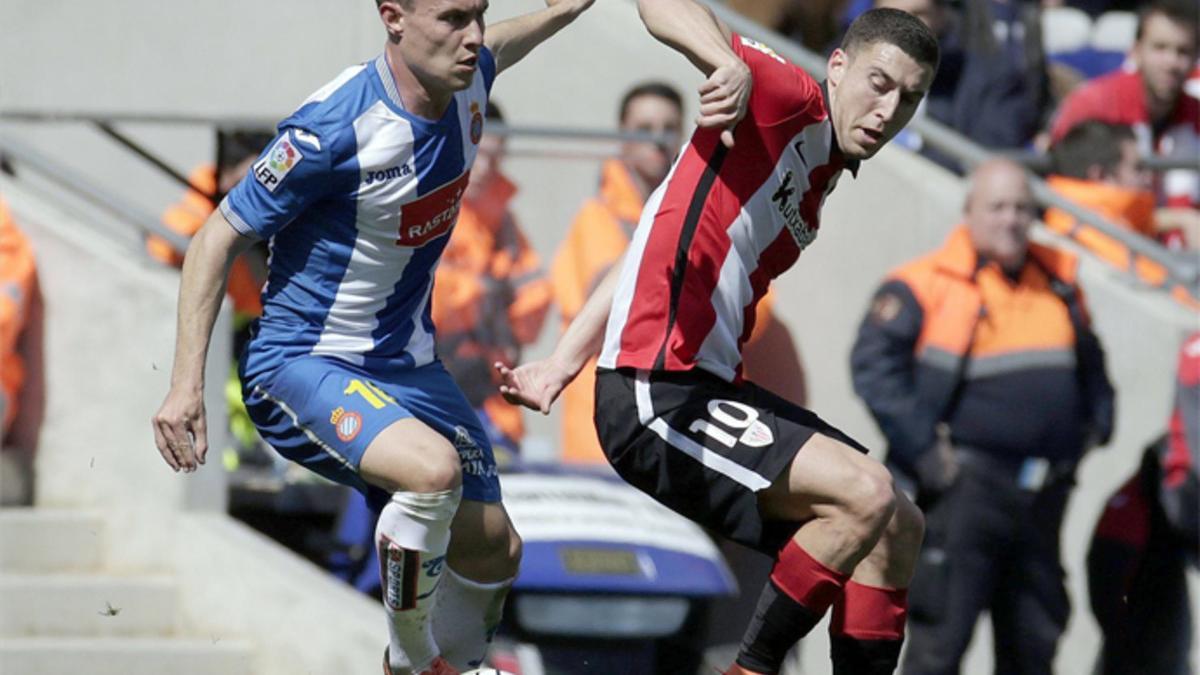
347 424
476 123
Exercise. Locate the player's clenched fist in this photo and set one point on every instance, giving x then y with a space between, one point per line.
179 430
723 98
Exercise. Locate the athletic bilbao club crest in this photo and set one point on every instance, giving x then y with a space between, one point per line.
476 123
347 424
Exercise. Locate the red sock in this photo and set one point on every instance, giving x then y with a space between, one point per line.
805 579
870 613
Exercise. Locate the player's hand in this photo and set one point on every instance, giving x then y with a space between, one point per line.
724 97
179 430
534 385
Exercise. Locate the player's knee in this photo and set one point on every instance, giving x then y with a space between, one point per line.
871 499
440 470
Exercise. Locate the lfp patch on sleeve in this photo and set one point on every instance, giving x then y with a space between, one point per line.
274 167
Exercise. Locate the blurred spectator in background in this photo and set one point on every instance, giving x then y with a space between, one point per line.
980 367
236 151
22 382
1150 97
1147 536
598 238
490 294
1098 166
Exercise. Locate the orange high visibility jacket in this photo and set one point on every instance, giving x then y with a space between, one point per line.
490 298
186 217
18 279
1132 208
598 237
944 327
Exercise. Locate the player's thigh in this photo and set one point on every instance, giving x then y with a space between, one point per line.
826 474
411 457
484 545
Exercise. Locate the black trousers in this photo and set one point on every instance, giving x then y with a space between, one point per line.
990 546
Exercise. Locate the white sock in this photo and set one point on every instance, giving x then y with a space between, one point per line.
466 617
412 536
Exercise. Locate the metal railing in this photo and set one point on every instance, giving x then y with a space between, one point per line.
64 176
1182 268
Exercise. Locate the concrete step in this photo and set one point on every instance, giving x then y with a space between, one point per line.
81 605
48 540
124 656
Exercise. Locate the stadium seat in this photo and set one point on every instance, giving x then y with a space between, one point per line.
1114 32
1065 29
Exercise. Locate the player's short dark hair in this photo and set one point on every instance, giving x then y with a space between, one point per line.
1182 12
895 27
653 88
1089 144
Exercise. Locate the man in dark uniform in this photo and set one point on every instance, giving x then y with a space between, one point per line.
978 363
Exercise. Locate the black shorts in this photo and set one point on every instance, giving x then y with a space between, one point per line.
703 447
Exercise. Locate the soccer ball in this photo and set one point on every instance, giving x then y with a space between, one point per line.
486 671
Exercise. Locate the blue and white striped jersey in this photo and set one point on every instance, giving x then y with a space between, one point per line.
357 198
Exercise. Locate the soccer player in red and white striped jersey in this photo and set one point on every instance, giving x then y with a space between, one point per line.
674 415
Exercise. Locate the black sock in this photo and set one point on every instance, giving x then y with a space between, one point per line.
863 657
779 622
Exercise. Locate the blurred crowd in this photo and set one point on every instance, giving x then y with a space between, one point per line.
977 361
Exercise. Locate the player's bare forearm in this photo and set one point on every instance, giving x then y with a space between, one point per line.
510 40
585 335
179 425
536 385
690 29
693 30
201 288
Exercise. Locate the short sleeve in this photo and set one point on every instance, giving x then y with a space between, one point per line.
780 88
487 67
290 175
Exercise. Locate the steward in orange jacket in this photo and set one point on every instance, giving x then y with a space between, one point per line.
1097 166
1009 366
490 296
18 289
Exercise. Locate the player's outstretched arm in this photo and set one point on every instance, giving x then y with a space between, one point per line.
537 384
179 425
692 30
510 40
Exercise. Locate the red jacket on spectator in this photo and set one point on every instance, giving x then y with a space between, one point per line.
1119 98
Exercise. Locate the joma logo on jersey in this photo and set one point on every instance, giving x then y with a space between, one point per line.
431 216
790 210
399 171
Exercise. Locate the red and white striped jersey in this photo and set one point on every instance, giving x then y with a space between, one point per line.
723 224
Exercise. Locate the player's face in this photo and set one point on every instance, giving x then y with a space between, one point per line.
656 115
873 94
999 211
441 40
1165 54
